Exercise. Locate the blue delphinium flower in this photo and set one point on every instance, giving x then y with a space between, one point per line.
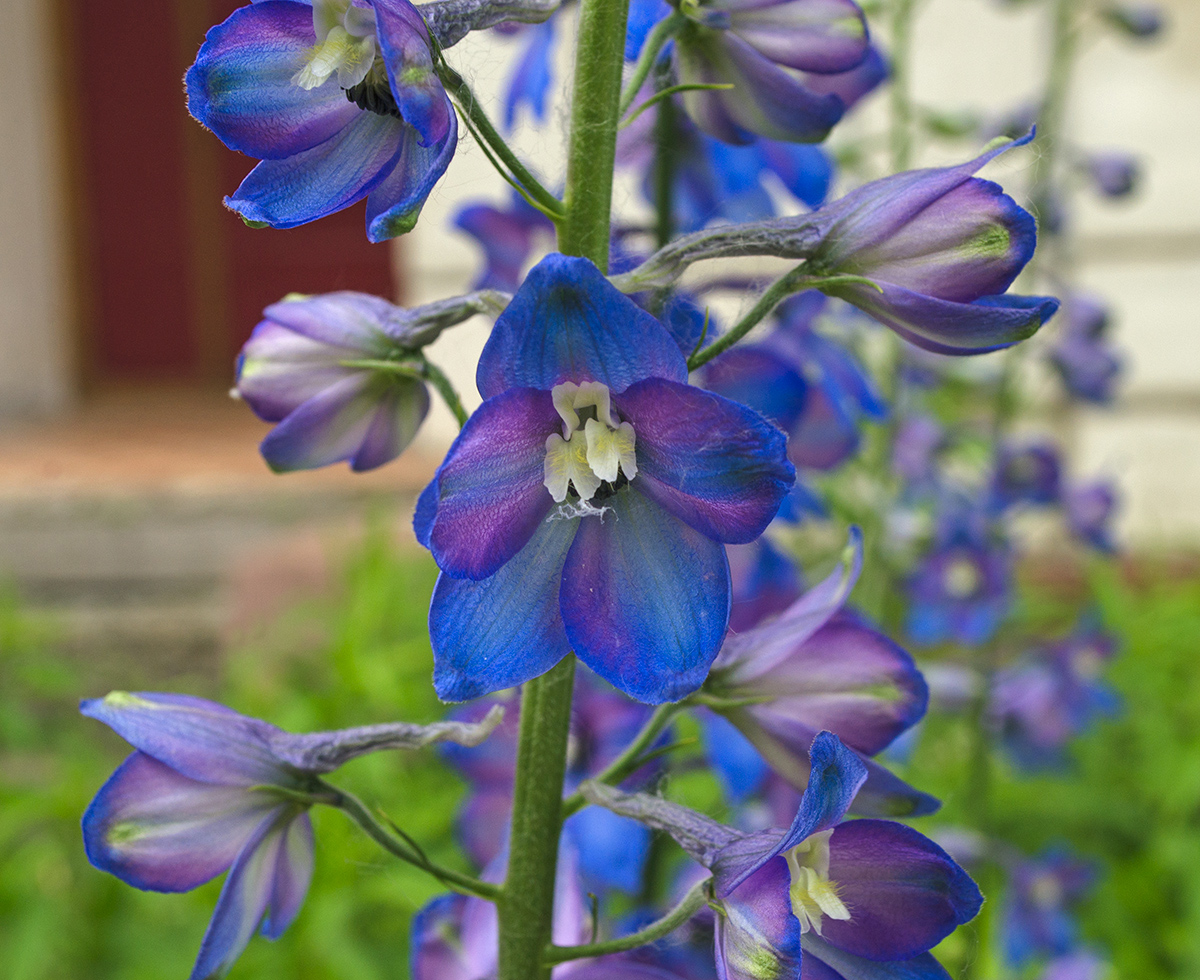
586 504
1054 694
756 48
815 666
806 383
1080 964
1113 174
1082 353
961 590
1139 20
330 370
507 236
1026 474
339 101
1037 919
1089 509
209 790
847 897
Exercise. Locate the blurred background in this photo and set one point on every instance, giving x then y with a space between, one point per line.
143 543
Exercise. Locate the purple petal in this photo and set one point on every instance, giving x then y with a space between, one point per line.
241 84
502 631
837 773
279 370
872 213
853 85
436 949
157 830
621 968
748 656
765 583
293 875
905 893
972 241
199 739
404 40
711 462
482 823
568 323
645 599
758 935
395 203
346 319
944 327
850 967
366 419
765 99
756 376
491 494
827 433
825 36
244 900
331 176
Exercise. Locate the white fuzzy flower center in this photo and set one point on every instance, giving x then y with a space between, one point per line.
813 895
595 447
345 47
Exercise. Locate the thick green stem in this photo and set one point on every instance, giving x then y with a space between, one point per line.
591 152
901 137
527 903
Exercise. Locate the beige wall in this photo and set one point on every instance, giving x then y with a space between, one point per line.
34 362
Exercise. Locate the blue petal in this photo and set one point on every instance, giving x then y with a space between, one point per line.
740 768
643 15
502 631
612 849
241 84
837 773
806 170
395 203
645 599
568 323
754 375
404 42
331 176
531 80
758 935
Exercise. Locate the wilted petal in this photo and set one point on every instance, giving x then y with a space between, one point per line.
158 830
244 900
293 875
758 936
241 84
395 203
944 327
906 894
837 773
568 323
825 36
502 631
645 599
451 20
764 101
289 192
489 496
711 462
199 739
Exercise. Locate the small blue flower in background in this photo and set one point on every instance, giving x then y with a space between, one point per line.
848 897
941 247
1037 919
1054 694
962 589
508 237
338 100
1082 354
1026 474
755 48
809 667
1081 964
1089 509
1112 174
918 440
585 506
209 790
806 383
1138 20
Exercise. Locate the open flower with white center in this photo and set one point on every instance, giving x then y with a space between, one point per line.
856 899
587 503
338 99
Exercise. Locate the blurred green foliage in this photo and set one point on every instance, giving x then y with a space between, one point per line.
1131 800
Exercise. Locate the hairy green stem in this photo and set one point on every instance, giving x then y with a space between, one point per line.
592 147
688 906
357 811
630 759
494 145
527 904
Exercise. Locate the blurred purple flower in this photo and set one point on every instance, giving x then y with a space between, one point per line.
1113 174
1089 511
1082 354
1037 919
507 237
1026 474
